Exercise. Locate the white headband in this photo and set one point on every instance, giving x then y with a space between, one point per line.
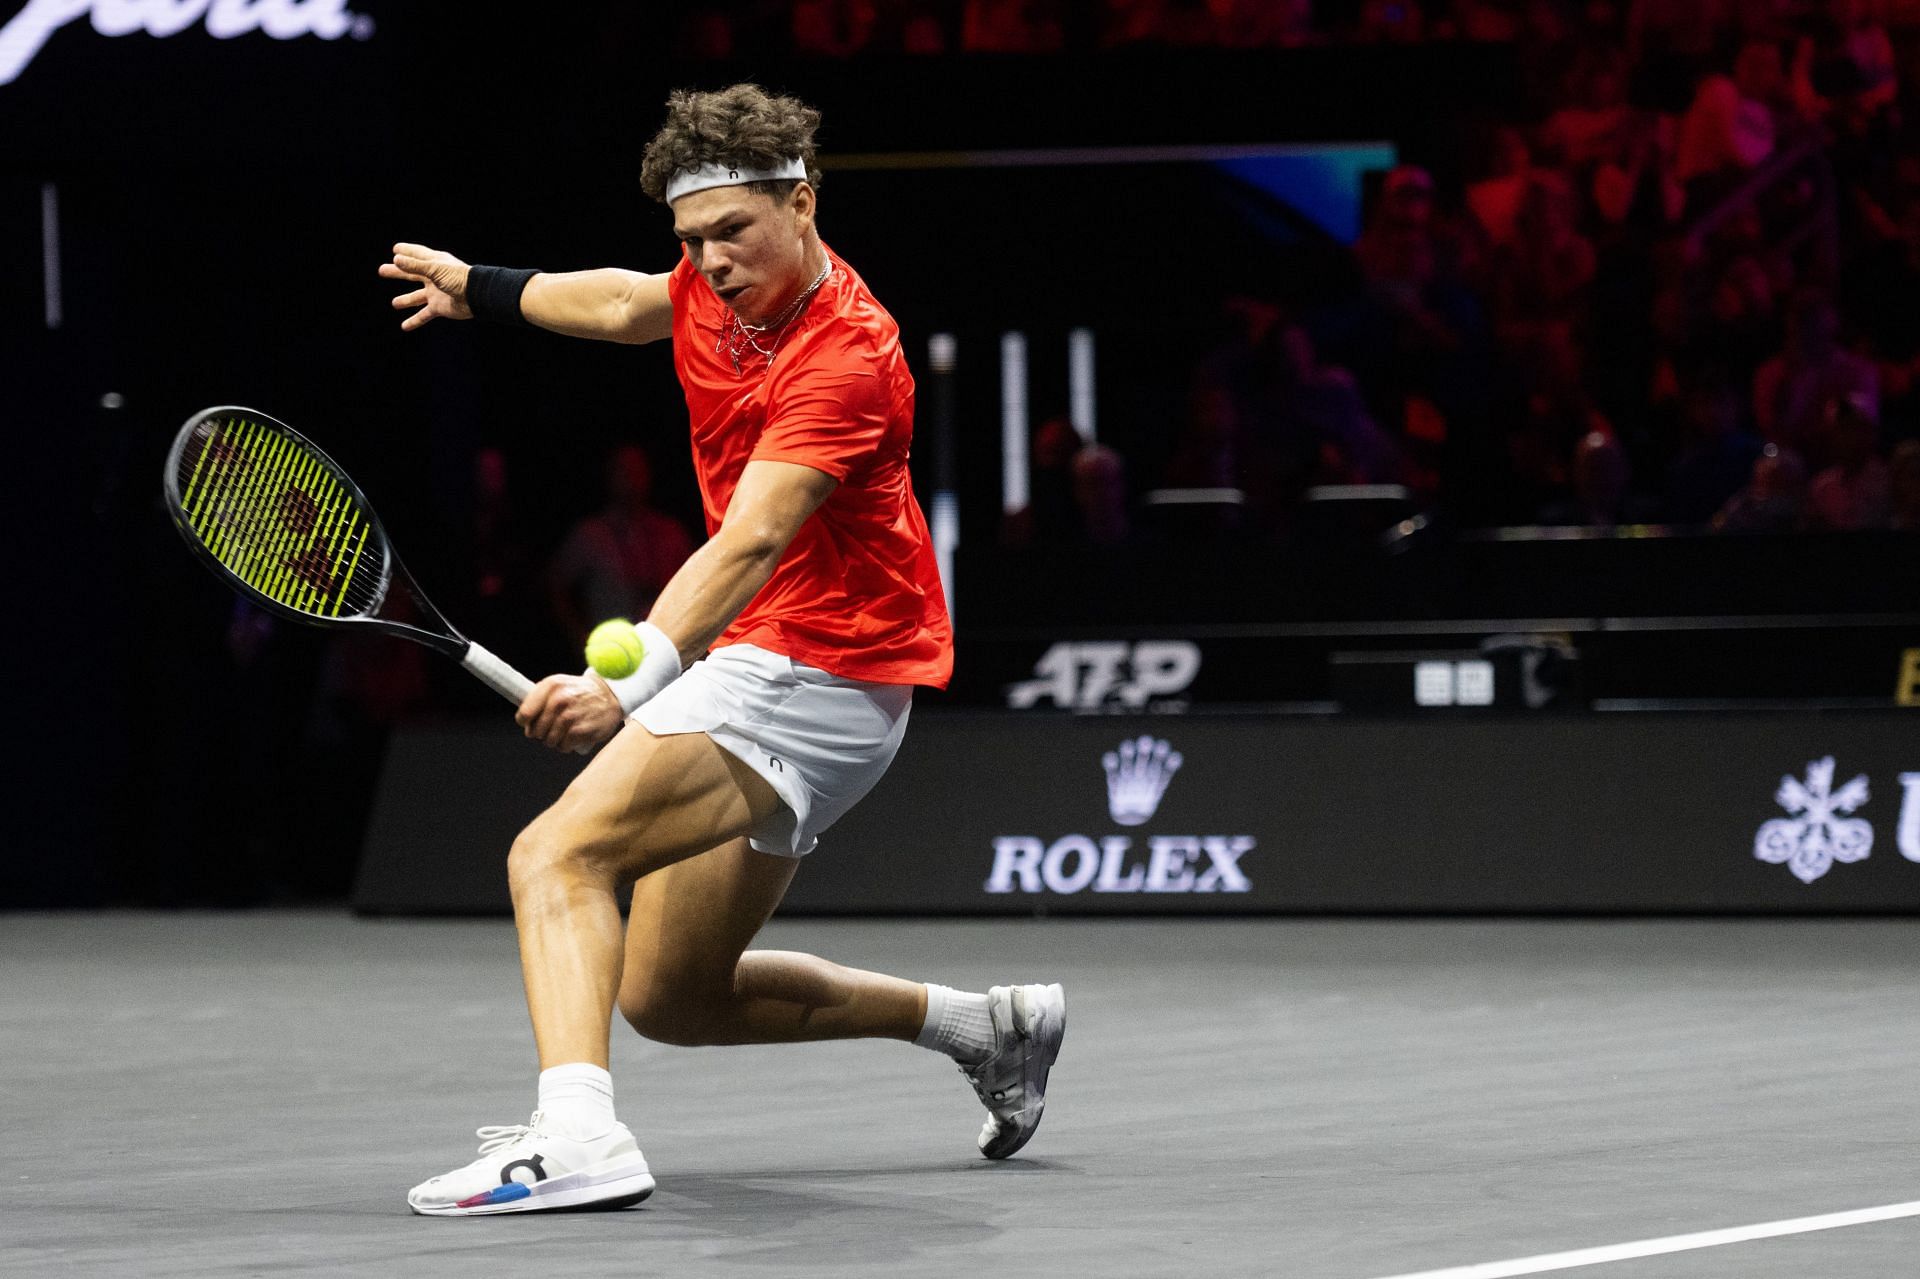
707 176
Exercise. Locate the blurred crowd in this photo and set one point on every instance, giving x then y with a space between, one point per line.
1675 287
849 28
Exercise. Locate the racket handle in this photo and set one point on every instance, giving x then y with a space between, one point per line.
502 679
496 674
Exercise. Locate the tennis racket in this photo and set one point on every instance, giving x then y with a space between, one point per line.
282 524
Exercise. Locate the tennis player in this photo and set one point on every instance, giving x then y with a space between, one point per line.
817 604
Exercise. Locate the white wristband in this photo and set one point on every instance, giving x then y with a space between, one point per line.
659 667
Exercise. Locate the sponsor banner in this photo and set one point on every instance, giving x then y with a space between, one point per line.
1445 668
1228 813
1171 675
1211 813
27 32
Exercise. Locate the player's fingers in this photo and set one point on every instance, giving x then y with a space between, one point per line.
388 271
568 718
416 298
404 249
550 721
533 703
415 320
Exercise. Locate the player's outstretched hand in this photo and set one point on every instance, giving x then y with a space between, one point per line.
442 279
570 712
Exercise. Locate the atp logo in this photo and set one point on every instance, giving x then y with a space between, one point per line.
1085 677
1138 772
1819 830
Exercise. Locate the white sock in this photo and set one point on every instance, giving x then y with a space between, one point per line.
576 1100
958 1025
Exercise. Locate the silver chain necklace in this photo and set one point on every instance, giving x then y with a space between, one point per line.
737 337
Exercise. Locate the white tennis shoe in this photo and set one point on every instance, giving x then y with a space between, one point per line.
1028 1024
523 1168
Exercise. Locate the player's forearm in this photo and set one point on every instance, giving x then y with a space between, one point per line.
598 304
711 588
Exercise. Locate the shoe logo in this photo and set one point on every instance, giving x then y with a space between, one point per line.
532 1165
1813 838
1137 775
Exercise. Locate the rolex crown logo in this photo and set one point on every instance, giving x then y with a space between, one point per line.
1137 775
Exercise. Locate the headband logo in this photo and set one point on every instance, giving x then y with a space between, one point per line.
725 173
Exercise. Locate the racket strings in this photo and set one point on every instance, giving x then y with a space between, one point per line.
279 518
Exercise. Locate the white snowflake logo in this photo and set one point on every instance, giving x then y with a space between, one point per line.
1137 775
1814 838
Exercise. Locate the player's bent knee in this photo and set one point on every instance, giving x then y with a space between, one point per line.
528 858
539 853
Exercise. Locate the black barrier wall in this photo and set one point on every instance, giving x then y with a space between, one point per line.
1197 814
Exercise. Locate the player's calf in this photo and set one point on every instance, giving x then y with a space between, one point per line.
672 1017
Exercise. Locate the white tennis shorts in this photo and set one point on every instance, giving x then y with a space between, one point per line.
820 741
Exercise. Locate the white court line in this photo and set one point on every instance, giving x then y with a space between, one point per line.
1672 1243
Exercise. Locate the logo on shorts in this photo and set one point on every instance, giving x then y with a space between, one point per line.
1138 771
1818 831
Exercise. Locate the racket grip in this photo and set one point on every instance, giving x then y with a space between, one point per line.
502 679
496 674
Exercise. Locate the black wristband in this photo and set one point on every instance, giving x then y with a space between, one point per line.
493 293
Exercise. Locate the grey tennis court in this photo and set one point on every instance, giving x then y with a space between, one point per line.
242 1094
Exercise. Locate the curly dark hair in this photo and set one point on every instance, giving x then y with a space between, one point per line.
742 124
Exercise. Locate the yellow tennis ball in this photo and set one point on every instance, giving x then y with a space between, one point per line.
614 649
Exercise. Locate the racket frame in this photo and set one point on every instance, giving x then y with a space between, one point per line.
393 573
482 664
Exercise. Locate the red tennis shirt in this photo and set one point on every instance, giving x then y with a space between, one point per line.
858 591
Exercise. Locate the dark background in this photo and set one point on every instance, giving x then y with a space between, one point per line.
224 203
